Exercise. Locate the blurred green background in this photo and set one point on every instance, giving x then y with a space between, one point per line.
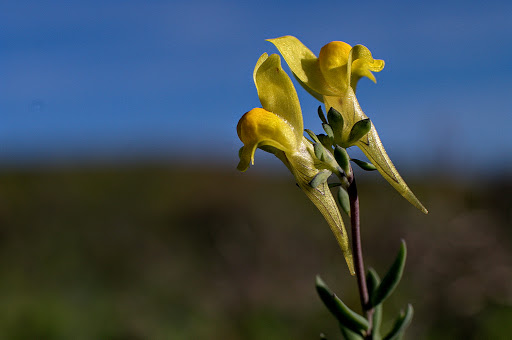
122 215
178 252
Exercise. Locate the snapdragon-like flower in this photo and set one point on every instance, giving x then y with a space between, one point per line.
332 79
278 128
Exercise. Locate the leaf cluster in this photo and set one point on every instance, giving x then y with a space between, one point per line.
356 327
335 158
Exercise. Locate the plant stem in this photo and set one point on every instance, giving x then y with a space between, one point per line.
358 253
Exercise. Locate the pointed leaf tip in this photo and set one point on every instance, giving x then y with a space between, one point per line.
401 324
336 122
344 200
391 279
321 115
335 117
359 130
364 165
328 130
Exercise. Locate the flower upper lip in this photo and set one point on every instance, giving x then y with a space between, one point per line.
279 123
338 65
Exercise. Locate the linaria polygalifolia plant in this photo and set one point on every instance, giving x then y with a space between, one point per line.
278 128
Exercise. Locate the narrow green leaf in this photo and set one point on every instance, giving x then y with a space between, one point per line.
373 280
344 200
325 140
364 165
391 279
329 162
336 122
321 114
328 131
359 130
343 314
342 157
349 335
321 177
335 119
401 324
319 151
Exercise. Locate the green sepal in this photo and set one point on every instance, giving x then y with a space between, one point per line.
336 122
325 140
328 131
346 317
343 159
319 151
321 177
326 157
359 130
335 119
364 165
401 324
372 281
321 115
344 200
349 335
391 279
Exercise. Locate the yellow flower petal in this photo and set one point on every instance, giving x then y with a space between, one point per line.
332 78
333 59
301 164
337 65
303 63
321 197
362 64
277 94
259 127
279 125
342 64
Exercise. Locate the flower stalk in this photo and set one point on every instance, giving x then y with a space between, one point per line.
357 251
277 127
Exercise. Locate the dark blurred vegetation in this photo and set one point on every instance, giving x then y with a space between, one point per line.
176 253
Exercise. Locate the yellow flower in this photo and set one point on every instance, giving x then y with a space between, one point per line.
332 79
278 128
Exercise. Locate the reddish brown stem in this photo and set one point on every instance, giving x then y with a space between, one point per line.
358 253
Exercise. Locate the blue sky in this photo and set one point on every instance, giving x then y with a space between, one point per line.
170 79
